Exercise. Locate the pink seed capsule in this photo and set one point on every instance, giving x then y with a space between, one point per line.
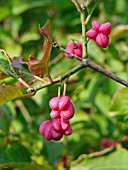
91 34
69 113
79 45
56 135
54 103
64 123
95 25
64 102
54 114
74 48
69 49
68 131
43 126
105 28
48 131
102 40
78 52
57 124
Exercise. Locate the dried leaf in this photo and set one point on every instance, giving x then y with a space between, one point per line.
40 68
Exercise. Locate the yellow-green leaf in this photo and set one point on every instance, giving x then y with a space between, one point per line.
8 92
119 105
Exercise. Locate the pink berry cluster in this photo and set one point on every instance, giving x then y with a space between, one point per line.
62 111
99 33
74 48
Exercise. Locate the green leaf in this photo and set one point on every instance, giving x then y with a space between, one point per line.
119 32
40 68
4 118
5 64
25 165
119 105
8 92
90 5
109 159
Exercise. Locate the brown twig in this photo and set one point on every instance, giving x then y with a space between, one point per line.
77 5
106 73
85 63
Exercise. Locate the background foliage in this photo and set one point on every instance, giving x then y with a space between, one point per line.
101 104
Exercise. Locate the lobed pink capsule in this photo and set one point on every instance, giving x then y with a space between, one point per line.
69 113
74 48
54 102
95 25
102 40
56 135
64 102
55 114
68 131
43 126
105 28
57 124
99 33
91 34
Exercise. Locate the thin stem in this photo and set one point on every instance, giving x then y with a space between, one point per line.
89 16
107 73
82 18
60 78
40 79
77 5
23 82
24 111
59 89
65 87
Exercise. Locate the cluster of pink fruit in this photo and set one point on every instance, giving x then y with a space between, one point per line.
99 33
62 111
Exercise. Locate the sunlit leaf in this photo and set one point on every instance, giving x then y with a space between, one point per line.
119 105
40 68
90 5
106 160
8 92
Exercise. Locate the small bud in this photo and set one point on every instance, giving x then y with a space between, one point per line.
91 34
102 40
105 28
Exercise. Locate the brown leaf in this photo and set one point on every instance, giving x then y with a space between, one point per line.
40 68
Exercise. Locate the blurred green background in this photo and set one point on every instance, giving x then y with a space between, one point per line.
101 105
